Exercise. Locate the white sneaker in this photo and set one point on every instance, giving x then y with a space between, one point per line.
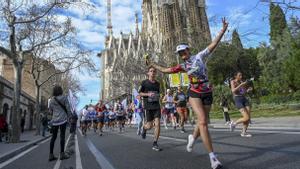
215 163
232 126
189 146
245 134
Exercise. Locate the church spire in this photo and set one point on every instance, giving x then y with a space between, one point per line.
109 23
137 32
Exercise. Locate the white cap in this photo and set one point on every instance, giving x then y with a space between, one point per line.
168 90
181 47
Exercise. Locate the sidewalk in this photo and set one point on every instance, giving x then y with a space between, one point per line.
28 139
276 123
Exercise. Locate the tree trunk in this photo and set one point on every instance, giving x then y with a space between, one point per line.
16 120
38 109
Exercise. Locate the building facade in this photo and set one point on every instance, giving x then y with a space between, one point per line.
28 97
6 104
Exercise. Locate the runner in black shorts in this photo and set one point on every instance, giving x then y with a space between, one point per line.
119 110
200 96
149 91
239 89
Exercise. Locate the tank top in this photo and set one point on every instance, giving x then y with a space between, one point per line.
241 91
169 103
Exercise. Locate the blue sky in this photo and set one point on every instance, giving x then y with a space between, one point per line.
249 17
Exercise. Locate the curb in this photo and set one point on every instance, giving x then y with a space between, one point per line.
14 152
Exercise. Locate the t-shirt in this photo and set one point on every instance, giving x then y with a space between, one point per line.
181 98
111 115
197 72
119 109
84 114
150 103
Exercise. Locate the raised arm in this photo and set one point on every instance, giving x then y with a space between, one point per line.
215 42
164 100
235 87
161 68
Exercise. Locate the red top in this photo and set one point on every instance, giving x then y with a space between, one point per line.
2 122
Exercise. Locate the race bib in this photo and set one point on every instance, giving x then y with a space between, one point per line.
181 98
154 98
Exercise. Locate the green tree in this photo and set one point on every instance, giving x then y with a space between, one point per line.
276 59
231 57
277 22
292 64
236 41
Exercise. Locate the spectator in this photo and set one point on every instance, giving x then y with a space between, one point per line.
44 122
3 126
22 123
224 105
60 108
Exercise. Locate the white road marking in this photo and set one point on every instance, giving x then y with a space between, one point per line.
170 138
21 154
102 161
262 131
78 158
58 162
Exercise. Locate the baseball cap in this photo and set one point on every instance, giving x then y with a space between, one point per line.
181 47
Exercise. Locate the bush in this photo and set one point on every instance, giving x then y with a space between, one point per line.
276 99
296 96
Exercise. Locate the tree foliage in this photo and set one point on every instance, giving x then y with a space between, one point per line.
280 62
229 58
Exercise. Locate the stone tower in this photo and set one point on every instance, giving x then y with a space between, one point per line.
178 21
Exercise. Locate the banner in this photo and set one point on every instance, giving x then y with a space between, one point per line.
185 79
178 79
72 101
134 93
174 80
124 104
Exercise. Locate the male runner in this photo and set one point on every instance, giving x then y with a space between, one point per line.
149 91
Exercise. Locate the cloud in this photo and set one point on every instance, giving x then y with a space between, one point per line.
239 16
91 38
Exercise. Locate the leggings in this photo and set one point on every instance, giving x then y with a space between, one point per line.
62 137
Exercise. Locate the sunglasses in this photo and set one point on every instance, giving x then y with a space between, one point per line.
181 53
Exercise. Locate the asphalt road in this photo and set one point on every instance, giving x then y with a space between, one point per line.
113 150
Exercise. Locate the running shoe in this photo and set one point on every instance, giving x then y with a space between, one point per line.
182 131
232 126
245 134
190 144
215 163
52 157
155 147
143 134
